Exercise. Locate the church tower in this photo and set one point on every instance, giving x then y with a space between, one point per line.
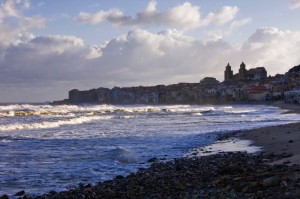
228 74
242 71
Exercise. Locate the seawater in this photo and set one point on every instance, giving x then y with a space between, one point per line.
45 147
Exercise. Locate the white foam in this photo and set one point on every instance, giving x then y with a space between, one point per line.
230 145
47 124
123 155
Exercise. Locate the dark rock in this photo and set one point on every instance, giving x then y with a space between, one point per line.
286 155
153 159
226 175
271 181
119 177
20 193
4 197
287 162
52 192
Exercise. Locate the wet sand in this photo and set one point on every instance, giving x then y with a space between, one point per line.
278 140
290 108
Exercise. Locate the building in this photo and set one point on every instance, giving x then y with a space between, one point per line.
228 73
253 74
209 81
257 92
242 72
292 96
258 73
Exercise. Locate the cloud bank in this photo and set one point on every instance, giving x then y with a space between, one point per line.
141 58
44 68
295 4
185 16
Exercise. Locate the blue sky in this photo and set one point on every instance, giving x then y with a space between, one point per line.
49 47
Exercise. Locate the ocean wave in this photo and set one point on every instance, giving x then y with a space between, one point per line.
55 124
122 155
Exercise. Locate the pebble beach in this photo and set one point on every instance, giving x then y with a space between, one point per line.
272 172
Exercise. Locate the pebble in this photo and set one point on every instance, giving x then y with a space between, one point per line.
227 175
271 181
20 193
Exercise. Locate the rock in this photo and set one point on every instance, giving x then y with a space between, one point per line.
226 175
153 159
287 162
286 155
271 181
119 177
287 194
245 189
283 183
20 193
238 178
4 197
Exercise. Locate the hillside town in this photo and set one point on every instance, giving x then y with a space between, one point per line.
248 85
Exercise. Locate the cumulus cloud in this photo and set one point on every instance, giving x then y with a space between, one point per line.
224 15
185 16
12 10
138 58
47 58
239 23
295 4
277 50
46 67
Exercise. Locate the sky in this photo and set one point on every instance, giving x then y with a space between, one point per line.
48 47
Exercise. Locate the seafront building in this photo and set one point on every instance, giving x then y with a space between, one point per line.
245 86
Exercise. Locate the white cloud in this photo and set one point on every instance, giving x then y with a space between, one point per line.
12 33
138 58
31 64
277 50
114 15
185 16
295 4
224 15
12 8
238 23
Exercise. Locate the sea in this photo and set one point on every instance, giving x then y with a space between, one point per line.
55 147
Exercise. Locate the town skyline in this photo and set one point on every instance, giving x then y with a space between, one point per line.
50 47
247 85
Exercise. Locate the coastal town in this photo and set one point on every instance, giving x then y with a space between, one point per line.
248 85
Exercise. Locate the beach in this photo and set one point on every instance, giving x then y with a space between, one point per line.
273 171
278 140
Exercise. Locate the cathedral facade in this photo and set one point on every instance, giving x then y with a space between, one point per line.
258 73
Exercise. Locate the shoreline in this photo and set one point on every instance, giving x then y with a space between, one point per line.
274 172
280 138
277 140
225 175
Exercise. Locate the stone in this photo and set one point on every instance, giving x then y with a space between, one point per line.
119 177
287 162
20 193
271 181
245 189
254 184
153 159
4 197
283 183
